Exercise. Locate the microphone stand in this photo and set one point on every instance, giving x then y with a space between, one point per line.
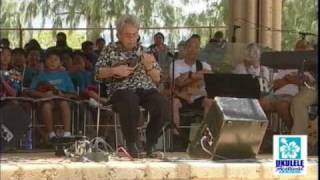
301 72
233 38
172 95
171 124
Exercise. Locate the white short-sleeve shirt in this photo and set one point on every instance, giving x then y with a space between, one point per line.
181 67
260 71
289 89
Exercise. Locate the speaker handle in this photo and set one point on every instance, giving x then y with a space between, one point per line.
207 137
6 134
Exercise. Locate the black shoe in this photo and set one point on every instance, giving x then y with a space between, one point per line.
133 150
149 151
53 140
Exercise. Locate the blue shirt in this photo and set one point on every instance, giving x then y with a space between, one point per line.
60 79
82 79
29 74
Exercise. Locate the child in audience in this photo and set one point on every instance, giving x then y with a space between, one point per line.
83 79
80 77
19 60
52 82
10 79
34 66
66 61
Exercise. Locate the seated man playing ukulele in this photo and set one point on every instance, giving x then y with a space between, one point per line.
133 75
189 85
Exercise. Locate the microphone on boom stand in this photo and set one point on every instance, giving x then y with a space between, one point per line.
233 38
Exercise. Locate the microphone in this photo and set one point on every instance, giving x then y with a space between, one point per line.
233 38
171 54
306 33
236 27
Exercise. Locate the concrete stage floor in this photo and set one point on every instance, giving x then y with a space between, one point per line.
46 166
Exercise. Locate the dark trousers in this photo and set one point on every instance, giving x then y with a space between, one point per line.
188 114
126 103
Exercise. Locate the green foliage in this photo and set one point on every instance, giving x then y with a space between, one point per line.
101 13
46 39
298 16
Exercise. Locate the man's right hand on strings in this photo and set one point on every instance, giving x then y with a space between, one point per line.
122 71
199 75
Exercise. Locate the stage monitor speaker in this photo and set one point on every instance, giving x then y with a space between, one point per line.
233 129
14 123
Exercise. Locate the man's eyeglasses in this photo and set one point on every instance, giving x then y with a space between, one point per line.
129 35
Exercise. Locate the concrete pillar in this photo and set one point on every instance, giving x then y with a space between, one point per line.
258 19
276 24
251 18
236 18
266 23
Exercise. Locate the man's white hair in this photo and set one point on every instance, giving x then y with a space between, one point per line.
252 52
127 19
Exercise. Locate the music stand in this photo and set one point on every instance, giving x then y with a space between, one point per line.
232 85
290 59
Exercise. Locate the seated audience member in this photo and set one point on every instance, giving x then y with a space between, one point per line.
302 45
87 48
166 81
61 44
133 84
275 102
251 63
32 44
19 60
50 83
100 44
189 85
214 52
34 66
83 79
10 79
163 57
300 104
287 84
299 110
217 41
66 60
180 53
4 42
88 90
307 95
282 89
80 77
158 47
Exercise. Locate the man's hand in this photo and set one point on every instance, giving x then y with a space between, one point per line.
199 75
148 60
122 71
295 78
48 94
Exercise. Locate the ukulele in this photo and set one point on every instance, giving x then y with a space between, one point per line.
191 89
46 87
132 62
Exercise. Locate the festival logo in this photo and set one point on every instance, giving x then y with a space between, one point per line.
290 154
